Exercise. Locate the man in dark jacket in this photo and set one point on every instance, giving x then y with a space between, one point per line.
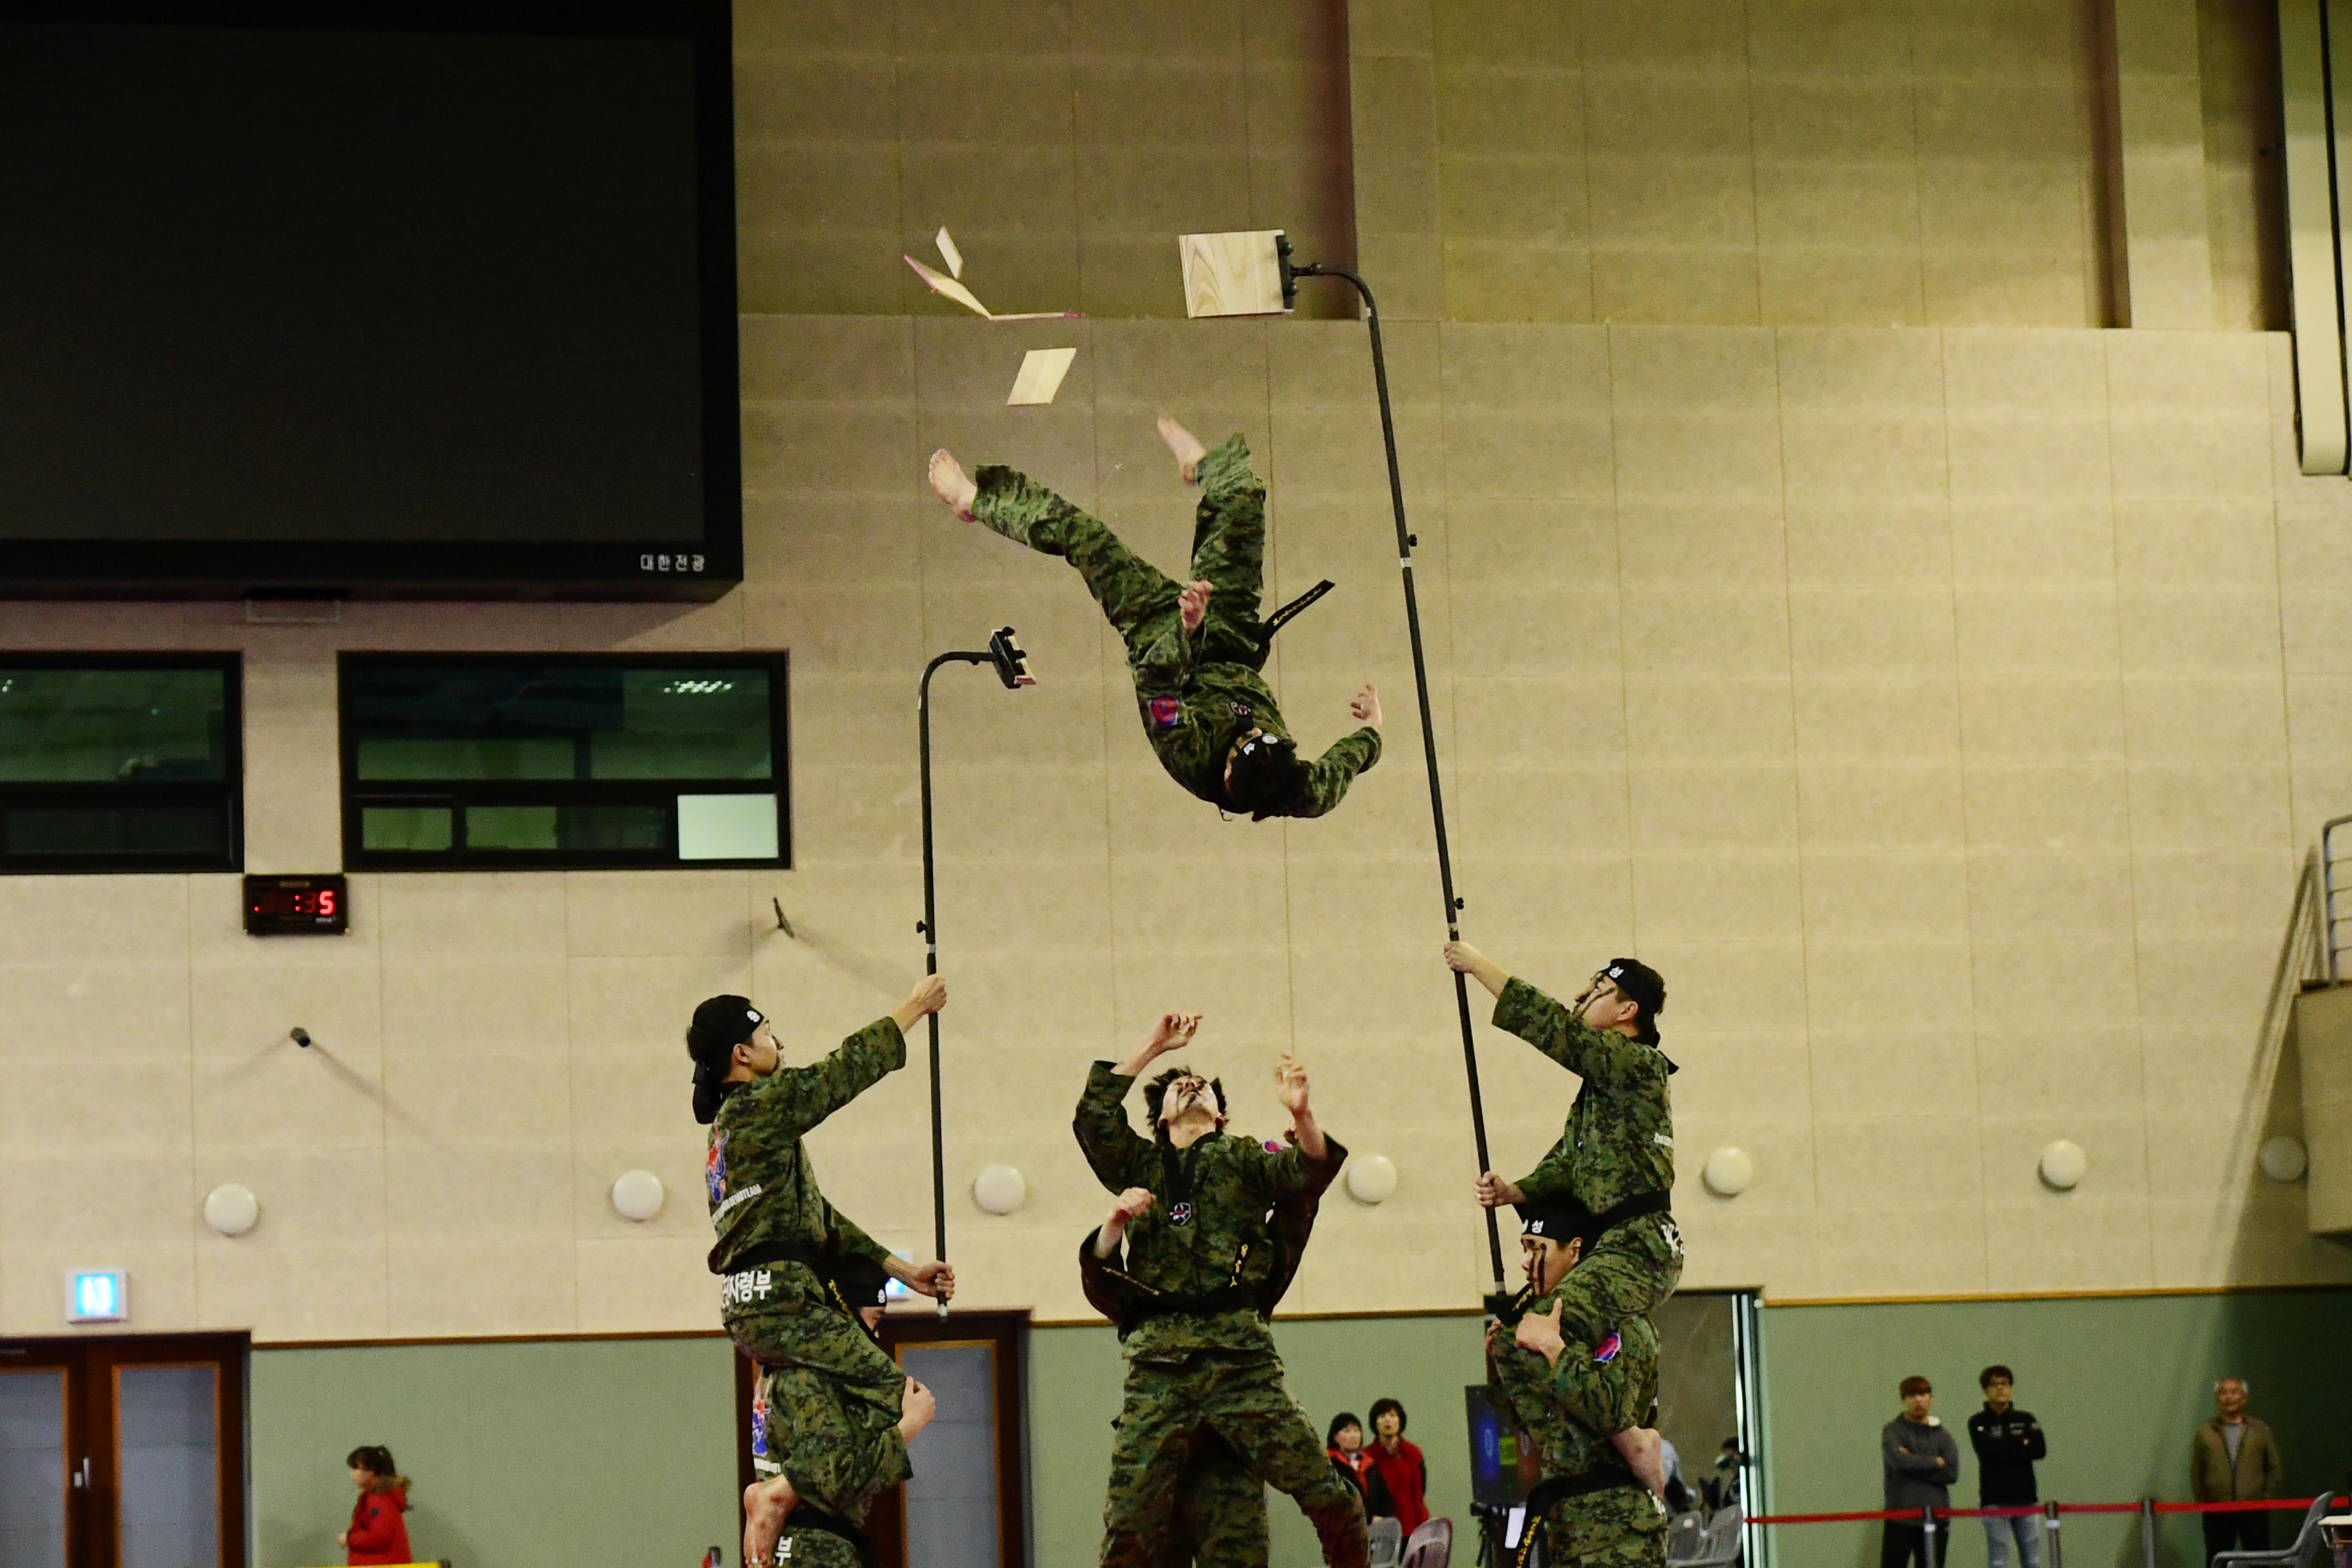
1921 1462
2234 1458
2008 1441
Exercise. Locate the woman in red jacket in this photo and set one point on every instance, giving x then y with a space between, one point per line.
378 1534
1399 1465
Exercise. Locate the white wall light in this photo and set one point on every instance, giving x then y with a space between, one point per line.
2063 1163
232 1209
1372 1178
2284 1158
1000 1189
638 1195
1729 1172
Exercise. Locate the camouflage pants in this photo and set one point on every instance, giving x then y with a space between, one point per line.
1172 1408
800 1547
1220 1512
1624 1527
1228 553
1632 1268
825 1409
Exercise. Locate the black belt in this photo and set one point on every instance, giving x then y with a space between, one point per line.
1283 617
1229 1299
1634 1207
1554 1490
803 1516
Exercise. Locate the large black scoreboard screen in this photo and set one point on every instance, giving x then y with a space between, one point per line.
424 300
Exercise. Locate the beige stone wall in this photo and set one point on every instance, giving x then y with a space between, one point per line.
1799 162
1944 712
1064 146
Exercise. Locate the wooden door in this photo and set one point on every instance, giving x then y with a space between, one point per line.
149 1440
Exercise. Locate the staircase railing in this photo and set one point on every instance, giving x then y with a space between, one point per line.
2334 878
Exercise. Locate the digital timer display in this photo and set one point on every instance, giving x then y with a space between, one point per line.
278 906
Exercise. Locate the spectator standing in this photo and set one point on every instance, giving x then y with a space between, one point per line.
377 1533
1345 1443
1399 1464
1921 1462
2234 1459
2008 1441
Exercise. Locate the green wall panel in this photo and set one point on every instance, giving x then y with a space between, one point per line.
538 1455
2118 1383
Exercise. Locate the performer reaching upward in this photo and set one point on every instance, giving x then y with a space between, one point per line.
1219 1518
779 1244
1615 1157
1196 649
1200 1360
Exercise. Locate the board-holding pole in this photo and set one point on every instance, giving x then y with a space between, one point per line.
1290 273
1003 651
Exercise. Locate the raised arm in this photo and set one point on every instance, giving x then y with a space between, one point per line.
1336 769
1305 1167
1597 1055
1119 1157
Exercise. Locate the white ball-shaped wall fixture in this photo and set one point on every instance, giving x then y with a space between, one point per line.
2063 1163
2284 1158
1372 1178
231 1209
638 1195
1729 1172
1000 1189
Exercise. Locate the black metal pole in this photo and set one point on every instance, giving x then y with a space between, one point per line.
930 932
1428 736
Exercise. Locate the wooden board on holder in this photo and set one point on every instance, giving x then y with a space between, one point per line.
1235 274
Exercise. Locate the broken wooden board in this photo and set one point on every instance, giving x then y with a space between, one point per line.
1235 274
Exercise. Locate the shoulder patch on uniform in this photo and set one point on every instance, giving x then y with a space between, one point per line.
1166 711
1607 1348
1272 1146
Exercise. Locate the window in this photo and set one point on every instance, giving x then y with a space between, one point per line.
545 763
120 762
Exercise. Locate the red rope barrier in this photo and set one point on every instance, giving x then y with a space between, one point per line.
1906 1514
1834 1518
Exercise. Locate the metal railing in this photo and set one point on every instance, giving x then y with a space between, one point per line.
2335 870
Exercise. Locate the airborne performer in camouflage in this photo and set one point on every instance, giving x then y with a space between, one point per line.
1195 650
1568 1393
779 1247
1615 1157
1200 1360
1219 1519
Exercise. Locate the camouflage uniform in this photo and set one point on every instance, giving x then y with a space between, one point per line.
1565 1414
1201 1359
843 1451
826 1413
1197 694
1220 1502
1619 1144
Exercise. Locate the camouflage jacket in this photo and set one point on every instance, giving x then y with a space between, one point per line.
1111 1290
763 1188
1566 1412
1194 713
1620 1138
1209 1232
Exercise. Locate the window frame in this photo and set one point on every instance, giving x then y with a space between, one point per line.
228 790
356 795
